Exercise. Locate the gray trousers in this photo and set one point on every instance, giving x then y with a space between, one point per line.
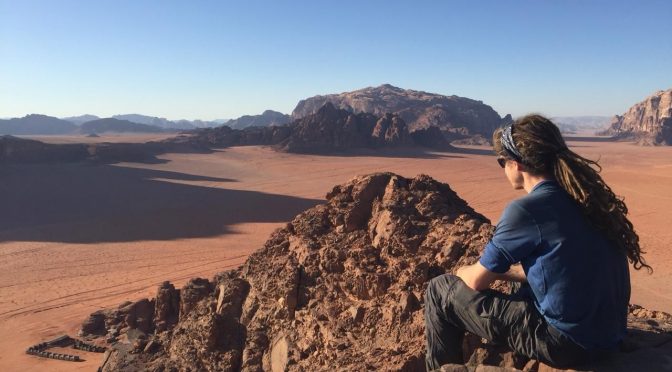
452 308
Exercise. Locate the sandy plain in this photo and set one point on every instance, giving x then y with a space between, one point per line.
75 238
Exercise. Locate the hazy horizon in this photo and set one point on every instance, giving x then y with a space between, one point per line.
228 119
221 61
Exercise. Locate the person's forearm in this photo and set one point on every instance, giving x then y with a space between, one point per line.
515 274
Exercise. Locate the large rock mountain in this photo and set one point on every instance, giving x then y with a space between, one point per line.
339 288
36 124
327 130
649 122
418 109
267 118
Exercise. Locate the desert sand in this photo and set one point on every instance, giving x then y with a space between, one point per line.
75 238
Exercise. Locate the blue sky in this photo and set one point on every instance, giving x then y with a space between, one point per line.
223 59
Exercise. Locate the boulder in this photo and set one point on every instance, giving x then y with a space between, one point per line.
167 308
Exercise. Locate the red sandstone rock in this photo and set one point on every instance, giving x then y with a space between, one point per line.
649 121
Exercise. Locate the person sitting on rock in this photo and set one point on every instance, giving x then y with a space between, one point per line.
566 243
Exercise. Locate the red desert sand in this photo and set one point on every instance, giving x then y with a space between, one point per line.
77 238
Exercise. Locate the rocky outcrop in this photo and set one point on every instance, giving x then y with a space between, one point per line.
648 122
331 129
328 130
194 291
418 109
267 118
339 288
167 306
431 137
225 136
391 130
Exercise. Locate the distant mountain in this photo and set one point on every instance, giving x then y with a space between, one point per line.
169 124
648 122
195 124
267 118
78 120
35 124
570 124
155 121
418 109
118 126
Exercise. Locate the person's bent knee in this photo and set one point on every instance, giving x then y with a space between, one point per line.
440 287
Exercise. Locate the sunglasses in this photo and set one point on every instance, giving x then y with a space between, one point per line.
501 161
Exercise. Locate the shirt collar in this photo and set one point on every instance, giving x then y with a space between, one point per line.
542 183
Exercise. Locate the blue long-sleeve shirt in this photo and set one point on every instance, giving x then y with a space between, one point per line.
580 280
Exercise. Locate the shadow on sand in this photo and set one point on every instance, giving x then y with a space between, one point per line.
84 203
404 152
569 138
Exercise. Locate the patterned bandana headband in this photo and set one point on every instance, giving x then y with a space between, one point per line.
509 145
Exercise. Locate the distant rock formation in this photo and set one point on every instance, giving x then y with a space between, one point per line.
340 287
331 129
267 118
15 150
168 124
573 124
78 120
35 124
19 150
118 126
418 109
225 136
155 121
327 130
649 122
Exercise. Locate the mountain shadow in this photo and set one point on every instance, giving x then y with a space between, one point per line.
82 203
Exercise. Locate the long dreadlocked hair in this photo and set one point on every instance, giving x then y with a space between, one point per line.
544 151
